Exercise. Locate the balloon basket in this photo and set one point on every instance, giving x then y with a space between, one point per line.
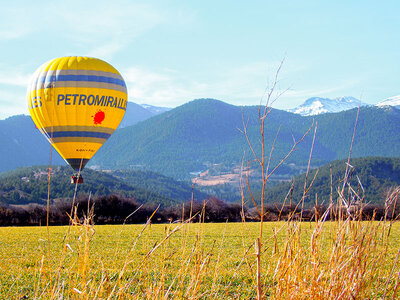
76 179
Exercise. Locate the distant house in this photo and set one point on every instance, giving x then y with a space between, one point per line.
25 179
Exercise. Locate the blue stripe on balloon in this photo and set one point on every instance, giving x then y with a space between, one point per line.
58 134
89 78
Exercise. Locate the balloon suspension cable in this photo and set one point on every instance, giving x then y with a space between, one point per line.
49 174
48 190
76 189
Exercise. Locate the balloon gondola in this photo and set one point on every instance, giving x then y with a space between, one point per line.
77 103
76 178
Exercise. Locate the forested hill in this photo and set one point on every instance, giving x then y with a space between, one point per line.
29 185
377 132
376 174
207 131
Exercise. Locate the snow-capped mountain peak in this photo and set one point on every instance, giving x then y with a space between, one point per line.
317 105
392 101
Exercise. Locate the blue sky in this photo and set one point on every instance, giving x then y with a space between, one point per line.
170 52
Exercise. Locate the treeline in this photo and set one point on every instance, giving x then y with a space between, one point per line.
114 209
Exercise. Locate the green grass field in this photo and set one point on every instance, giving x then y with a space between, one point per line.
200 261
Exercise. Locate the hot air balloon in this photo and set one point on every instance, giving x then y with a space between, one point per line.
77 103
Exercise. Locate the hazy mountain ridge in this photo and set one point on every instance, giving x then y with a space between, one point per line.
22 144
136 113
155 109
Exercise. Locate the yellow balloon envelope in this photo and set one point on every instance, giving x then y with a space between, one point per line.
77 103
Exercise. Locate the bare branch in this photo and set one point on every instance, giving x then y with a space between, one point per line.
351 149
248 139
291 151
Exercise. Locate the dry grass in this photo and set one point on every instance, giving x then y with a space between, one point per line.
322 260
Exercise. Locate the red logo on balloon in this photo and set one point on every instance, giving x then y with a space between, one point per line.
99 117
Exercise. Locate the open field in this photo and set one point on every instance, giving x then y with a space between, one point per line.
200 261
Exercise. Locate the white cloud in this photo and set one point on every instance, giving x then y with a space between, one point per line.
237 85
13 77
12 103
13 32
154 87
107 50
106 27
13 85
241 85
15 21
103 27
110 18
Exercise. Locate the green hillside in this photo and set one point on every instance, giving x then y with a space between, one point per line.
206 131
377 133
377 175
160 184
29 185
198 133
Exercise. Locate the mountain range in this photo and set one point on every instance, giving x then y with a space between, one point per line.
206 132
317 105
